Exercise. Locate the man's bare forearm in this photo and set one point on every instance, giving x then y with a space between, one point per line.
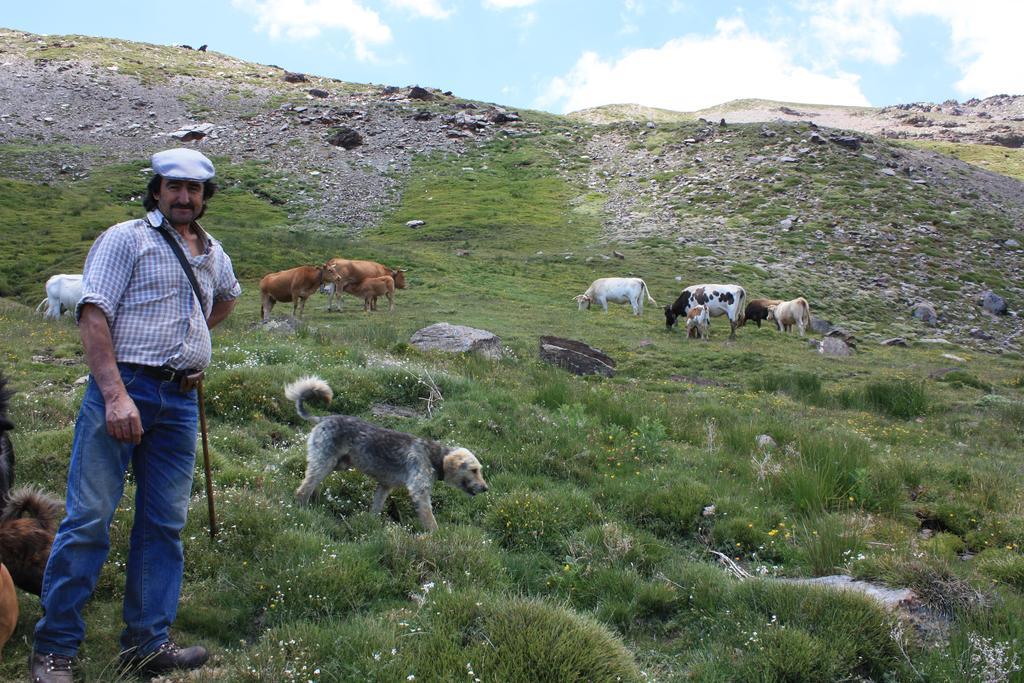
220 310
123 421
94 330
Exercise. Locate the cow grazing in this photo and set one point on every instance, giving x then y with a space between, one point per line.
63 292
370 288
349 271
294 284
757 310
725 300
698 322
788 313
618 290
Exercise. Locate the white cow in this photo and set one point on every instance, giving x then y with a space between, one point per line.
618 290
63 292
788 313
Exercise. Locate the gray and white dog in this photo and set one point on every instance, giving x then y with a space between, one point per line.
394 459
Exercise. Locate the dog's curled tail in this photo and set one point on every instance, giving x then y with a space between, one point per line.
28 501
302 389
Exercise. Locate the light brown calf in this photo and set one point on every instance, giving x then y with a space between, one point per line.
350 271
698 322
370 288
294 284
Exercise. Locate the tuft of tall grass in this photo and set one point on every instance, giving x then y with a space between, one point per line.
898 399
828 545
824 475
551 390
800 384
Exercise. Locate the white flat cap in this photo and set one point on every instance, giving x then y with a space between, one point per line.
182 164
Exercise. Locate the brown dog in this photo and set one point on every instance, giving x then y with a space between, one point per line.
27 525
8 606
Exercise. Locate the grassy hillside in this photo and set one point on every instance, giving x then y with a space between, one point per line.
596 555
1003 160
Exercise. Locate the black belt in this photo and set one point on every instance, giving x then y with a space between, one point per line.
163 373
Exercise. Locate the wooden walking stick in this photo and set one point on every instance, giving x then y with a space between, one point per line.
206 460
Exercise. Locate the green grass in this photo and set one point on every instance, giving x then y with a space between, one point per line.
990 157
589 557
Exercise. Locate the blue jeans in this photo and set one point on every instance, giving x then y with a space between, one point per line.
163 466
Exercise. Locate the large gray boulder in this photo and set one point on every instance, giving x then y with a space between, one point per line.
821 326
926 313
457 339
993 303
835 346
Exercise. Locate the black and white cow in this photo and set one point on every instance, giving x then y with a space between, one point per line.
725 300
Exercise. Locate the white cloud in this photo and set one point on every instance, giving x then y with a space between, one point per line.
306 19
694 72
984 36
507 4
986 42
431 9
860 29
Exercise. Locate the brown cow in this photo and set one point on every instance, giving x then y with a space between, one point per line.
757 310
370 288
349 271
294 284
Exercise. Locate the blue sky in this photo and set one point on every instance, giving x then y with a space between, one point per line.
565 55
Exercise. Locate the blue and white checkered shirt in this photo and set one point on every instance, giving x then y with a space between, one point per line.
133 276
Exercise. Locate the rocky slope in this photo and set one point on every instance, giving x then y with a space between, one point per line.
89 106
996 120
703 186
813 201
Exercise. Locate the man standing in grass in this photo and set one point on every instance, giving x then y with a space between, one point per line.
151 291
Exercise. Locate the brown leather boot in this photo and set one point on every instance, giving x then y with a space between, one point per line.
45 667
